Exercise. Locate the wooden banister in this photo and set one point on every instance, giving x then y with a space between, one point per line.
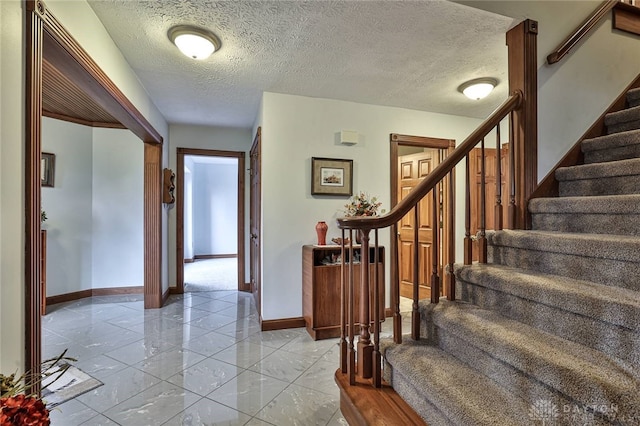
580 32
429 182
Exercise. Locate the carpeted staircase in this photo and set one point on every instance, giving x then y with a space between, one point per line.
548 332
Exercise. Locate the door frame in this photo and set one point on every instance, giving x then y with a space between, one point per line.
240 234
46 37
444 145
255 220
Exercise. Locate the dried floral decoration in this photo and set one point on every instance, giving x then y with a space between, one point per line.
362 204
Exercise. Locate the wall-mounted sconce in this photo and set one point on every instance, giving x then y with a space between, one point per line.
168 179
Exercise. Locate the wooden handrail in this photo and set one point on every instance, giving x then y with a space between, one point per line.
429 182
580 32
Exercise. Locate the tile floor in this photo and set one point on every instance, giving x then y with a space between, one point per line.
200 360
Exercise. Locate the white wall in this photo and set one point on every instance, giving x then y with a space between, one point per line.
85 27
215 208
576 91
217 138
296 128
118 210
12 240
68 207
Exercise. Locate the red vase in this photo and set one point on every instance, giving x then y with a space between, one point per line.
321 230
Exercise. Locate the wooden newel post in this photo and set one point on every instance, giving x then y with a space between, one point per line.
523 77
365 347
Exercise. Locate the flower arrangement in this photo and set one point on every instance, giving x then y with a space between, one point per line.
17 408
362 204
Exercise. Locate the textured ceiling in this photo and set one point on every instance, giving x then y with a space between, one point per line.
411 54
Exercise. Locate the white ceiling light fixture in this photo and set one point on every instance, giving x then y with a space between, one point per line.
196 43
478 88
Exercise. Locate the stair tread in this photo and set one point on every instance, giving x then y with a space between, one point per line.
603 246
599 170
623 116
615 305
602 204
556 362
615 140
455 388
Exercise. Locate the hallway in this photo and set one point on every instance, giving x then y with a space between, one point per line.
201 359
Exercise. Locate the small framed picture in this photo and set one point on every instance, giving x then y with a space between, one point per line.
47 169
331 176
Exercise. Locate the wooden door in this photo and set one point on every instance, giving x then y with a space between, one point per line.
255 219
475 159
412 169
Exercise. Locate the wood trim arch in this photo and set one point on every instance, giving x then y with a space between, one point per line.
47 38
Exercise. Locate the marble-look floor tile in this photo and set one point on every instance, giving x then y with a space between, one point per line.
305 345
297 405
156 325
71 413
168 363
276 338
179 335
241 329
210 343
320 377
140 350
283 365
249 392
239 311
100 420
206 376
215 305
104 311
212 321
338 420
257 422
100 367
120 387
152 406
208 412
244 354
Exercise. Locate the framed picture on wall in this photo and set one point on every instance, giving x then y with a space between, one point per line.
47 169
331 176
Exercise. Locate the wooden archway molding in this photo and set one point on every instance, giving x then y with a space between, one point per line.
47 39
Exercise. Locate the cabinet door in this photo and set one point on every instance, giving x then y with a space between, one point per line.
326 296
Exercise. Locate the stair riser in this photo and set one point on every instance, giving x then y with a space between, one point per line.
623 127
633 101
617 185
604 271
418 399
614 154
587 223
617 342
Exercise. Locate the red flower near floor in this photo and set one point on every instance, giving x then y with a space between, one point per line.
21 410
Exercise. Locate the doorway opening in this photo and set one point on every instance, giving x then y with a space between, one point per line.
412 158
210 220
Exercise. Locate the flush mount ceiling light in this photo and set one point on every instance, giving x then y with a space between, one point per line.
478 88
194 42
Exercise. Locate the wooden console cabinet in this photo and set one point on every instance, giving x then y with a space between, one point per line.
321 288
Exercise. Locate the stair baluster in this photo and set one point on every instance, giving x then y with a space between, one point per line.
365 347
468 244
415 313
451 291
498 210
435 228
482 238
511 222
377 358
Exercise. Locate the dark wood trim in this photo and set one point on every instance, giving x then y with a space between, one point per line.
366 405
152 226
214 256
255 221
189 260
523 78
180 154
83 294
77 120
33 249
549 187
281 324
165 296
626 17
579 33
46 38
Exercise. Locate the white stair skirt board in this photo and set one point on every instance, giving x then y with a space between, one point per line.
211 274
